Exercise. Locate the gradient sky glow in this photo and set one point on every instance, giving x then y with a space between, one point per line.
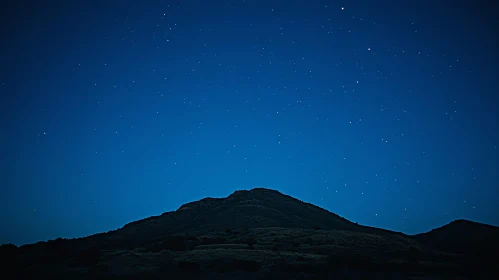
384 112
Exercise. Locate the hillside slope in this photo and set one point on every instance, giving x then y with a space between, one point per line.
257 234
243 209
463 237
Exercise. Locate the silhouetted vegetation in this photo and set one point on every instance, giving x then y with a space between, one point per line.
275 247
213 240
7 250
251 241
188 266
234 265
413 254
88 256
178 243
8 255
299 267
351 259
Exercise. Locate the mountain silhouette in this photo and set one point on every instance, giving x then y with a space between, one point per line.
258 207
463 237
258 234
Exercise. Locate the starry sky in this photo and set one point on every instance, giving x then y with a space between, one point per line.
384 112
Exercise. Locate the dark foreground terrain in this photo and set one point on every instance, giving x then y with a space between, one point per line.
259 234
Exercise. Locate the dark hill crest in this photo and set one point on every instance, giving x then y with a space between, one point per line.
257 207
258 231
464 237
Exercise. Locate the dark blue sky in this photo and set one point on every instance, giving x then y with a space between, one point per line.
384 112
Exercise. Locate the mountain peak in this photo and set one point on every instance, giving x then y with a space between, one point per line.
254 208
460 236
210 201
466 224
256 191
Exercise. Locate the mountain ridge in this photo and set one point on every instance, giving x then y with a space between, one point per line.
258 231
210 201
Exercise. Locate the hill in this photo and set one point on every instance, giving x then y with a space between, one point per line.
261 234
464 237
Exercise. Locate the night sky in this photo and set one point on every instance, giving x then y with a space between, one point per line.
384 112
